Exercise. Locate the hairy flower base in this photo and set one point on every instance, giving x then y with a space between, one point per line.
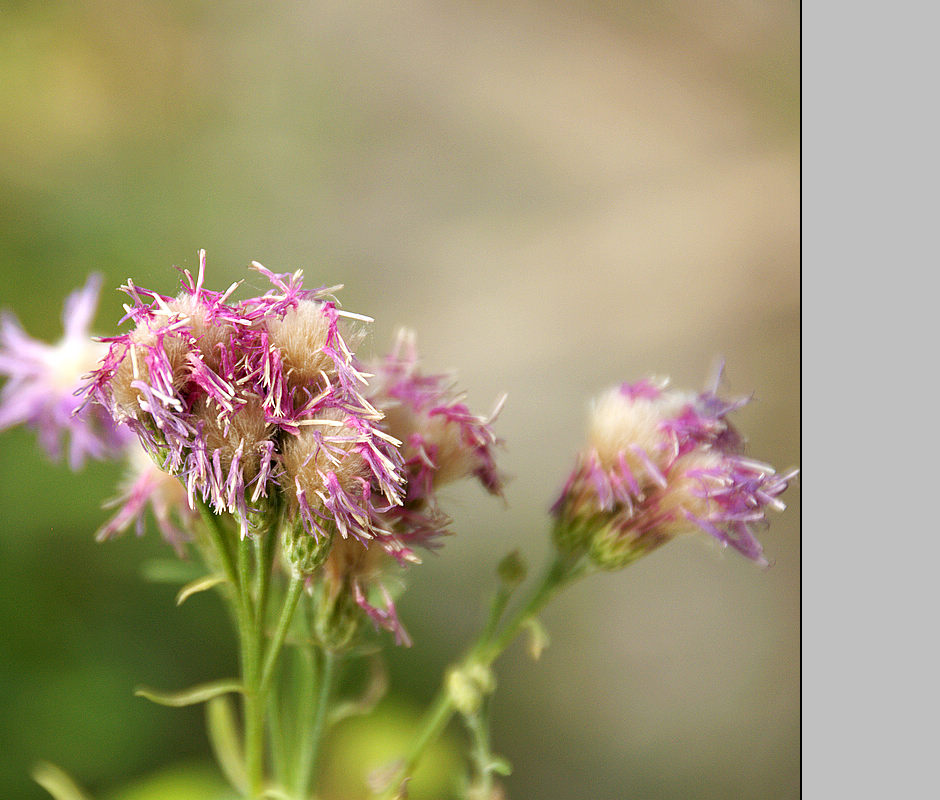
660 463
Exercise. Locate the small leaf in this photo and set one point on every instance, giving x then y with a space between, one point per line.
538 638
500 766
199 585
225 741
57 782
192 696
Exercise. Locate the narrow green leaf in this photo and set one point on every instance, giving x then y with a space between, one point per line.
276 794
199 585
57 782
225 740
192 696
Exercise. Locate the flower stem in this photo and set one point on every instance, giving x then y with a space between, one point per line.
562 571
237 569
294 591
251 633
312 739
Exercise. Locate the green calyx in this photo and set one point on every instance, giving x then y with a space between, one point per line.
338 618
608 543
303 551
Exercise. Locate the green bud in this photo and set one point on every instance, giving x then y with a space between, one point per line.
512 570
338 618
611 548
303 551
468 685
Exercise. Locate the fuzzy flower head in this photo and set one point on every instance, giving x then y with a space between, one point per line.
43 380
442 441
253 402
659 463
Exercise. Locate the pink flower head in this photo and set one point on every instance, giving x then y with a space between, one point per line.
43 381
442 441
242 400
659 463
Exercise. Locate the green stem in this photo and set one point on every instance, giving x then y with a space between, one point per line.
294 591
562 571
435 720
251 633
264 560
238 571
479 727
312 739
303 696
220 542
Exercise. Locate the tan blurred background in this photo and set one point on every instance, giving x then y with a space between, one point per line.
556 197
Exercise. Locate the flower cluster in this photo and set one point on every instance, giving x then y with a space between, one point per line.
261 405
659 463
261 410
250 399
441 442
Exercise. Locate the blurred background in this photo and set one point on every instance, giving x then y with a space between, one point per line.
557 197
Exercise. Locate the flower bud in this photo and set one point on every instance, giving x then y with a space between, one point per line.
338 618
468 685
303 551
512 570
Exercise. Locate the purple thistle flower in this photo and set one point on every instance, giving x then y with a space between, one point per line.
660 463
43 380
244 400
440 441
